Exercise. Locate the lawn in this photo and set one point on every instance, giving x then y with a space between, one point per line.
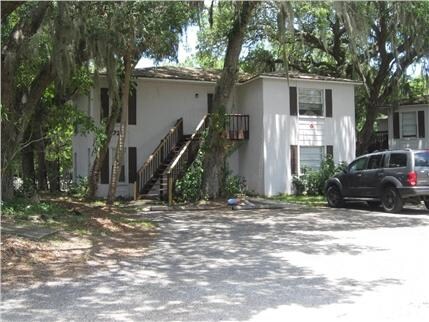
313 201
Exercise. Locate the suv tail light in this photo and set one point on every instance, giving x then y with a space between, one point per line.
412 178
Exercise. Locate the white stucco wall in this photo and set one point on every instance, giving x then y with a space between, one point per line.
159 105
412 143
250 153
264 160
280 130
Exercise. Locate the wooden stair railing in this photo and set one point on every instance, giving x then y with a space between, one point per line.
184 158
237 127
149 169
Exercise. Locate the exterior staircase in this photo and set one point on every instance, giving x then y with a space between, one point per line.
176 152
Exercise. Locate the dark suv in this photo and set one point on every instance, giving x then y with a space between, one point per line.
387 178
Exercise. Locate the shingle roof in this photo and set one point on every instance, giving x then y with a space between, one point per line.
180 73
212 75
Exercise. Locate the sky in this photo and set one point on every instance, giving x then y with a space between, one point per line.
188 43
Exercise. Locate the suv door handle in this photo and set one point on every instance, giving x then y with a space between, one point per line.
380 174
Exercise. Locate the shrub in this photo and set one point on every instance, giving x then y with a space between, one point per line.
312 182
234 185
79 188
188 188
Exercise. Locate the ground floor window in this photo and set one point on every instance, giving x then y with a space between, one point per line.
122 173
311 157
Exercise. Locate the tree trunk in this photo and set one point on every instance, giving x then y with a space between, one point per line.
103 151
120 147
54 175
365 136
39 148
27 161
214 161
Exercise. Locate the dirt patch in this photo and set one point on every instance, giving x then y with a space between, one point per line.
101 236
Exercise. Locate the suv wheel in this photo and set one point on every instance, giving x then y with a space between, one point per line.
391 200
427 204
334 197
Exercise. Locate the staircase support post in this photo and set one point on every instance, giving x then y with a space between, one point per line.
170 189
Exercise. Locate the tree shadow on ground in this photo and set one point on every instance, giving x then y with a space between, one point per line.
207 266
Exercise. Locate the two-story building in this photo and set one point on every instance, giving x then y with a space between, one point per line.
291 121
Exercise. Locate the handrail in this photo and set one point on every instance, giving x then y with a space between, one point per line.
185 147
186 155
158 156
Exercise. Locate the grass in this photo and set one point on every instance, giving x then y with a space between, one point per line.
313 201
73 215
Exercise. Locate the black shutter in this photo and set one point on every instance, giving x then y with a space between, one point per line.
104 102
396 125
421 123
294 159
104 176
132 108
330 151
132 164
328 101
209 103
293 101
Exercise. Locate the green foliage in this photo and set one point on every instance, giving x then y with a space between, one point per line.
302 200
22 208
235 185
312 182
80 188
188 188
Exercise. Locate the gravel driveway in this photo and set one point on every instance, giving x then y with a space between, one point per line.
259 265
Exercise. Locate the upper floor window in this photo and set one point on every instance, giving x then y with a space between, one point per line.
310 102
409 125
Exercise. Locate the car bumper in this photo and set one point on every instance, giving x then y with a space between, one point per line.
408 192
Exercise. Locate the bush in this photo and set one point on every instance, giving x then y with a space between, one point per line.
234 185
312 182
188 188
79 188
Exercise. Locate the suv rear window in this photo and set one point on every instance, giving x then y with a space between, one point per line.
421 159
398 160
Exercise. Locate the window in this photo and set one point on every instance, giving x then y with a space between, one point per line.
421 159
311 157
358 165
398 160
375 162
409 125
122 173
310 102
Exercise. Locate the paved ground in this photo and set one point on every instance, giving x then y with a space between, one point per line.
262 265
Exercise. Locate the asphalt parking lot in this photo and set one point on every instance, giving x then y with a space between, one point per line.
297 264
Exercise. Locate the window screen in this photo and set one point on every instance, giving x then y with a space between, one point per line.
409 125
310 157
310 102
